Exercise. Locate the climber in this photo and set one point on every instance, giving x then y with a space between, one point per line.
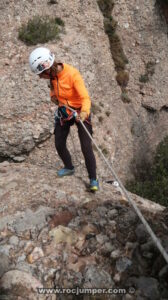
67 88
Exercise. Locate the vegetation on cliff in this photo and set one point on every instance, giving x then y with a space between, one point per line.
153 183
40 30
117 52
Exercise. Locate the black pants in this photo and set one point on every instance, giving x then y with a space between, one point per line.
61 134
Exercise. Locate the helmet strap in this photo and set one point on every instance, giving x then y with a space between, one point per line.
51 76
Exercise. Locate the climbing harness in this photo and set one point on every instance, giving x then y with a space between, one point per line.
62 116
124 191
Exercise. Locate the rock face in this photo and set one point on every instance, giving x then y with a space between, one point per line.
144 35
132 129
92 251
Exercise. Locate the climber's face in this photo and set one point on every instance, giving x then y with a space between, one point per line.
45 74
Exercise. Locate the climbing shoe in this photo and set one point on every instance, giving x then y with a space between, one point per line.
65 172
94 185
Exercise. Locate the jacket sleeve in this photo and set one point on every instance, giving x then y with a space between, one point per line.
82 92
52 93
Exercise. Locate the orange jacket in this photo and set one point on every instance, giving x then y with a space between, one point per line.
69 88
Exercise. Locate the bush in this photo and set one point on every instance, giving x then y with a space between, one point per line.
162 1
116 48
163 8
144 78
122 78
59 21
149 71
106 6
154 184
124 97
40 30
104 149
110 25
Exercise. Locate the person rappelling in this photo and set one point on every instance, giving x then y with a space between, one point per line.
68 91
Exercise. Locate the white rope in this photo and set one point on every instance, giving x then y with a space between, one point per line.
148 228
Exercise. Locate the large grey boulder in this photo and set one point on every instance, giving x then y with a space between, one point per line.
17 283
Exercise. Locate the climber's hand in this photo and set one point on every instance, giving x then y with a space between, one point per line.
83 116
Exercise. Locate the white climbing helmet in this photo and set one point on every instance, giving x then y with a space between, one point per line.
41 59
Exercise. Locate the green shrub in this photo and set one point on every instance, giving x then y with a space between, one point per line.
110 26
117 52
154 183
103 149
40 30
144 78
163 8
124 97
162 1
59 21
106 7
149 71
119 57
122 78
